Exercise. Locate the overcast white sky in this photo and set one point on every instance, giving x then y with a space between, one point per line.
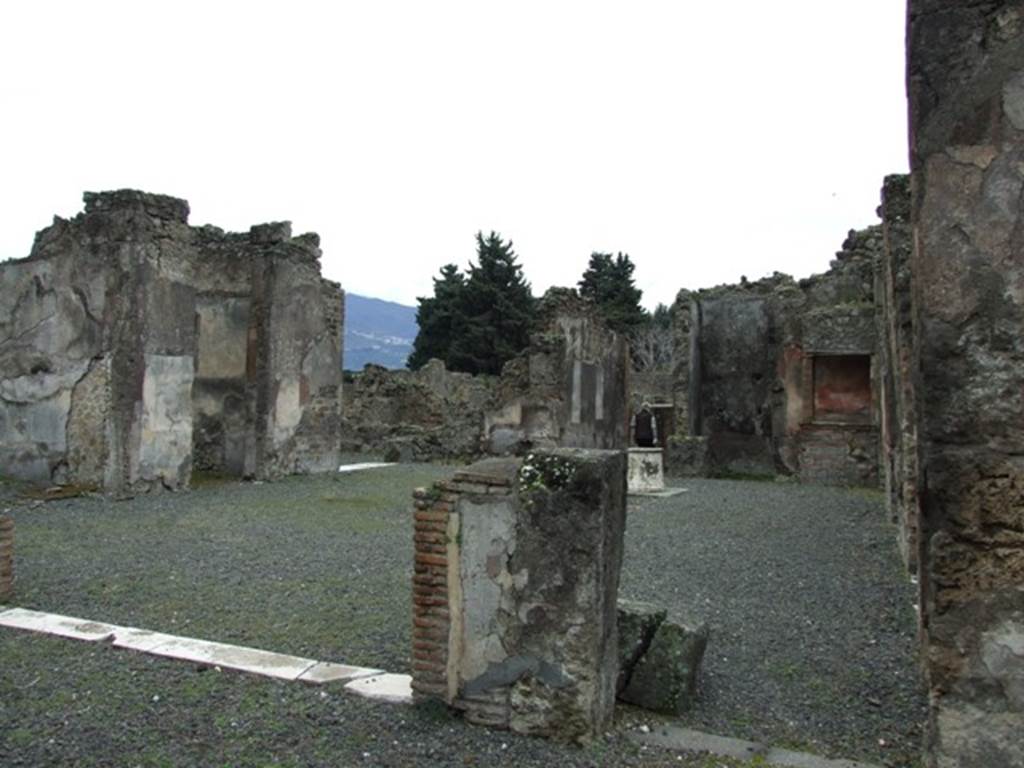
707 140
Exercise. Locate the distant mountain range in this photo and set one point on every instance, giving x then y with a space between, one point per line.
377 331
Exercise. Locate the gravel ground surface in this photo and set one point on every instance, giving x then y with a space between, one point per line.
812 619
810 614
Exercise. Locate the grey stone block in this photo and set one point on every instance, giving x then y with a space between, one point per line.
637 624
665 679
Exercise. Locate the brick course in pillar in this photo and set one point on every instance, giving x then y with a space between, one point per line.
434 563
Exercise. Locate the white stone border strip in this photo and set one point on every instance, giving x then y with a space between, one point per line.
396 689
373 683
365 465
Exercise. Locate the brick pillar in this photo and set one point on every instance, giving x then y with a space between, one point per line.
514 591
6 558
430 616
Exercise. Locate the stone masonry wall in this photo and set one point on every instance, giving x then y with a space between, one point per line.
510 624
895 350
754 363
966 89
570 388
130 349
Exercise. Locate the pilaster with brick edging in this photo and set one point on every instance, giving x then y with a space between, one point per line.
437 593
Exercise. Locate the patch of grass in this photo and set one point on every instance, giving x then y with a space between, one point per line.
209 478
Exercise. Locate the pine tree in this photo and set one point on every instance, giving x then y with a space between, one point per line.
497 309
439 318
608 282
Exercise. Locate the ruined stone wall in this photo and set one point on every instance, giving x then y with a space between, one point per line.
298 396
895 353
129 346
778 376
569 388
510 625
966 88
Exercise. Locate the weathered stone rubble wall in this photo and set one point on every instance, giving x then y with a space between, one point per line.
422 415
966 87
776 376
134 347
509 624
569 388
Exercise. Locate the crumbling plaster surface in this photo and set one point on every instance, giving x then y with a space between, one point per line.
515 579
538 584
50 330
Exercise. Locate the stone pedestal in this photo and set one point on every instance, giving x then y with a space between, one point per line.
514 591
646 470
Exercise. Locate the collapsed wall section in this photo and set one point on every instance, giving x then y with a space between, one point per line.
966 89
568 388
423 415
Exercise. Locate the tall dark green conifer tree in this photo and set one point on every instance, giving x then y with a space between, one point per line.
439 319
497 307
608 282
476 322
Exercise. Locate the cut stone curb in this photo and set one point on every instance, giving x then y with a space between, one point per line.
54 624
687 740
328 672
365 465
394 689
236 657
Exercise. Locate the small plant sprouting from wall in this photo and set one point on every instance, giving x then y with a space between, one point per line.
545 472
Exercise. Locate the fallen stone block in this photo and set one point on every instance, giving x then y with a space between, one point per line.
665 677
637 624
